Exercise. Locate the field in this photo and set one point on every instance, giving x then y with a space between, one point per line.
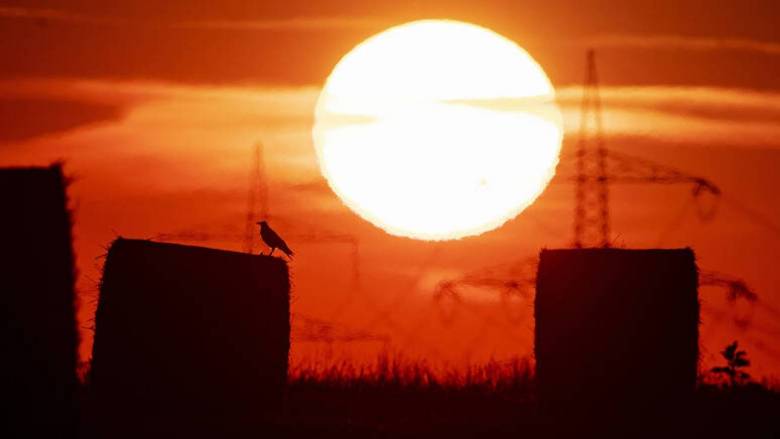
396 398
393 399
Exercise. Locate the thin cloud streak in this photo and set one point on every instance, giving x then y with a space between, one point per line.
47 14
694 115
703 116
691 115
725 104
683 43
287 24
273 24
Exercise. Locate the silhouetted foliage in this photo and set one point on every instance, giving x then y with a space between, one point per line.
736 361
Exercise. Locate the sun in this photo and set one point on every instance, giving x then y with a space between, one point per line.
437 129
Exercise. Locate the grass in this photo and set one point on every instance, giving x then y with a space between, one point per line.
398 398
393 397
511 376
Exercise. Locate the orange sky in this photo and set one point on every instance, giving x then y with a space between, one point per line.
156 113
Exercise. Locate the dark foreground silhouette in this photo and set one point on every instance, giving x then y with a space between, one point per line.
194 342
617 333
273 240
38 336
189 341
403 400
499 401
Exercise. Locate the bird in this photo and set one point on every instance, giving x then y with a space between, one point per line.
273 240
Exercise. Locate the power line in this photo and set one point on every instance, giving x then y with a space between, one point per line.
754 216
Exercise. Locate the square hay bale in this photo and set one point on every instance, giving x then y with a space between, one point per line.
616 329
39 338
188 339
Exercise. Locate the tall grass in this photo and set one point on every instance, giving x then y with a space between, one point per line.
393 396
396 372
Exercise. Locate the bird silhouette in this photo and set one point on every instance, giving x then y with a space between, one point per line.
273 240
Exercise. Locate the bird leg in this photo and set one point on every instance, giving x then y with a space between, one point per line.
272 251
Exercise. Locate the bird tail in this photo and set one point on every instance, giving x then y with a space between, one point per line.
287 251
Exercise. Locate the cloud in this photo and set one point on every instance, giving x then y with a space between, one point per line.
292 23
684 43
302 23
46 14
715 103
24 118
704 116
214 127
668 114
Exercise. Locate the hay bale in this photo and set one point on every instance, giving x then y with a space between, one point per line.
188 339
38 336
616 330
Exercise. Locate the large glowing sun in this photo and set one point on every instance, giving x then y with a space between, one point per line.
437 129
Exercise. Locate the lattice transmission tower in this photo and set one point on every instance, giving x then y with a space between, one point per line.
257 198
591 212
596 167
